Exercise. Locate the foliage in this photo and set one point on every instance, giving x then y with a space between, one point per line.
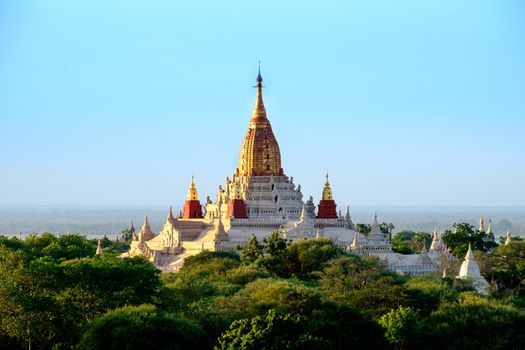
472 323
141 327
54 293
206 257
69 246
427 292
363 228
410 242
349 273
402 242
506 268
386 228
273 331
503 239
315 325
286 259
420 239
464 234
47 300
252 252
305 256
126 235
401 327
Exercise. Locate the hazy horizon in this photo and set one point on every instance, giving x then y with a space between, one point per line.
111 220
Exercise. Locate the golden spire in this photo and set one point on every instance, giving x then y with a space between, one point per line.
192 191
481 224
327 191
259 112
260 154
489 229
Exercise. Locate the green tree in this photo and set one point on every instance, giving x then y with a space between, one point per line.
303 257
141 327
464 234
471 323
401 327
349 273
226 259
272 331
28 311
386 227
91 286
363 228
274 248
126 236
46 301
419 239
402 242
506 268
317 325
252 252
410 242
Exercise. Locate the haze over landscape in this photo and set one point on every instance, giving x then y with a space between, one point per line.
96 221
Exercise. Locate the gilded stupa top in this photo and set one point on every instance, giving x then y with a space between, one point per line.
260 154
259 112
327 191
192 191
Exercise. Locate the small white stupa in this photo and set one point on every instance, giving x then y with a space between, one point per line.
437 241
508 237
470 271
99 248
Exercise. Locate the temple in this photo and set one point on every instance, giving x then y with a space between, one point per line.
260 198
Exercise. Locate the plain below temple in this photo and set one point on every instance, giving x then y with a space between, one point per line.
259 199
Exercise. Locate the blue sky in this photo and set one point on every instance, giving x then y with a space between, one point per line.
403 102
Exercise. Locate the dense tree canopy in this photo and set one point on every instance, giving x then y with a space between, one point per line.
273 294
141 327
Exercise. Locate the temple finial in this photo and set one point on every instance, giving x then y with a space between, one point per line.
259 76
327 190
259 112
192 191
